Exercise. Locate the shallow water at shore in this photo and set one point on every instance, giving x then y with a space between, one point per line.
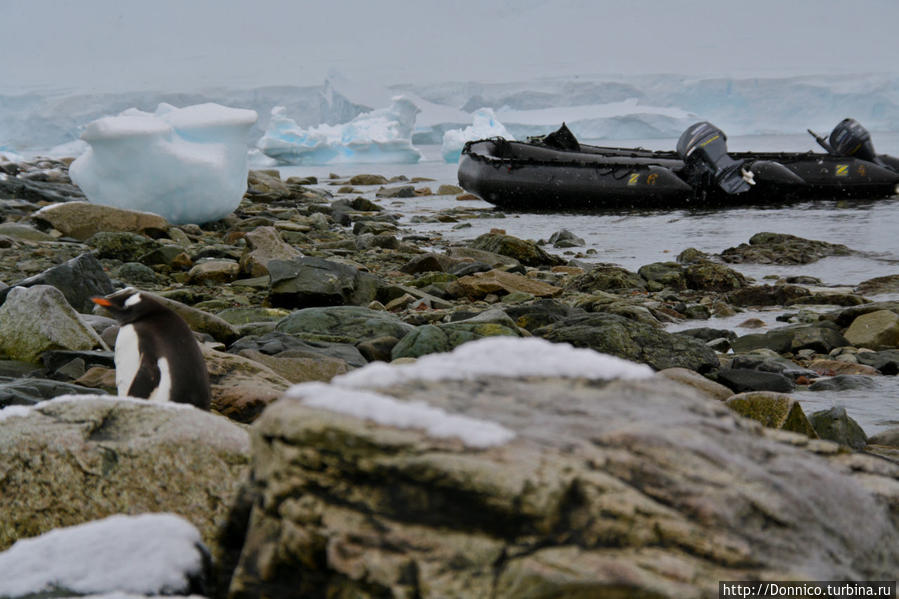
637 238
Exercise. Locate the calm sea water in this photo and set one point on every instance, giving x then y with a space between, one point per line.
634 239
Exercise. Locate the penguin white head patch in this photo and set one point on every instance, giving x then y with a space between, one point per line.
133 300
127 305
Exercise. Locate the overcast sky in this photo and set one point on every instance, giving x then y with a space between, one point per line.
185 45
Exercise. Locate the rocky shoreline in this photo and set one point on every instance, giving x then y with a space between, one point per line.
308 280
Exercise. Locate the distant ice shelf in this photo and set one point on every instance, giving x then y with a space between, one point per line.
188 165
381 136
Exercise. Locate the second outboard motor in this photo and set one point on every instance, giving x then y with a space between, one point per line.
703 148
849 138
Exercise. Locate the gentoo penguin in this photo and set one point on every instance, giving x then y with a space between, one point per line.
156 355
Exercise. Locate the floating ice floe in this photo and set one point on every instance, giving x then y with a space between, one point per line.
188 165
377 137
484 125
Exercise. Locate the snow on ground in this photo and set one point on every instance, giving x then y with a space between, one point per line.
484 124
188 165
18 411
377 137
490 356
368 405
145 554
499 357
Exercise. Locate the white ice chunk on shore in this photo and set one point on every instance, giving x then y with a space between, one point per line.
377 137
188 165
147 554
484 124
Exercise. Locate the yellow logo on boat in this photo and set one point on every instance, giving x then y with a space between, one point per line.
842 170
634 179
708 141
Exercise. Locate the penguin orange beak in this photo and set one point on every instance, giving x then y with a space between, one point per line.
101 301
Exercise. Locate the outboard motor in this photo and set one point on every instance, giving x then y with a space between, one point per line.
849 139
703 148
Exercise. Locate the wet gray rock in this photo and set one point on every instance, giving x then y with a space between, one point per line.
773 410
307 282
366 179
56 359
619 336
878 285
346 324
704 275
39 191
78 279
564 238
708 334
525 252
887 361
22 232
264 244
540 313
821 337
875 330
284 344
741 380
666 274
779 365
81 220
136 274
607 277
124 246
836 425
843 382
378 349
430 262
844 317
36 319
780 248
29 391
767 295
430 339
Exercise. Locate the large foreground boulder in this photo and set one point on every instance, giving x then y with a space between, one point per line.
391 482
80 458
37 319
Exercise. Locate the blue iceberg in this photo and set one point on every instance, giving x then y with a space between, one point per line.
377 137
484 125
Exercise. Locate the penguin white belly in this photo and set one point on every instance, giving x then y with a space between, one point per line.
127 358
163 391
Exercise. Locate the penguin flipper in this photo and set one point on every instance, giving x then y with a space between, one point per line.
145 380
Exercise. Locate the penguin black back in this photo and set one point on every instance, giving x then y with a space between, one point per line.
156 355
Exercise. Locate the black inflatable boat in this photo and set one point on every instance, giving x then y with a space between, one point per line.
556 172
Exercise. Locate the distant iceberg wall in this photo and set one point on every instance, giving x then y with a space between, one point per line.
483 125
35 122
377 137
188 165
